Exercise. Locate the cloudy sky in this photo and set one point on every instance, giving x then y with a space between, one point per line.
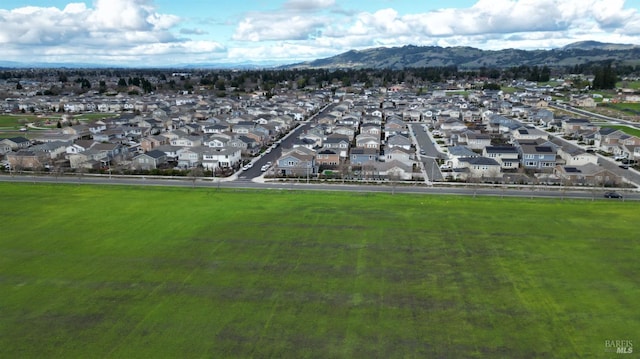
176 32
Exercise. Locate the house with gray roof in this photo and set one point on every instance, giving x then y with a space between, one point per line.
150 160
507 156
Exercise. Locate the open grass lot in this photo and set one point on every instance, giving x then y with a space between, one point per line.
632 108
122 272
626 129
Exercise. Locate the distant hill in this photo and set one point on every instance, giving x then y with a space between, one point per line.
471 58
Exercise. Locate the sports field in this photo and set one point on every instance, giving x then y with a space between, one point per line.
124 272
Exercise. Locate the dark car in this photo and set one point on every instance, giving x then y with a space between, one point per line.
612 195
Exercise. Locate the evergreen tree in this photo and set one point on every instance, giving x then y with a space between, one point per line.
605 77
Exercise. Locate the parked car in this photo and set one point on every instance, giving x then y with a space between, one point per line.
612 194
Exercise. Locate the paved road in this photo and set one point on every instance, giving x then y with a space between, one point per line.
431 153
276 152
467 190
593 115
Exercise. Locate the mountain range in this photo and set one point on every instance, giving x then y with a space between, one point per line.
410 56
472 58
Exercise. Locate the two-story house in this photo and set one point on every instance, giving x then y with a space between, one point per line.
296 162
507 156
538 157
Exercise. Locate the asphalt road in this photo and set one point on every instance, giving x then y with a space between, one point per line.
431 153
213 183
276 152
593 115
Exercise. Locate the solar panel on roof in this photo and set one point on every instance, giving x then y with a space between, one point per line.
543 149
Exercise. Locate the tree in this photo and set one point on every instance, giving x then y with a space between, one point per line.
605 77
491 86
220 85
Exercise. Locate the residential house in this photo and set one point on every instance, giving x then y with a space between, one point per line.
79 131
190 157
475 140
97 127
219 140
575 125
572 155
150 142
297 162
452 125
456 153
187 141
110 135
481 167
367 141
392 170
170 151
507 156
394 126
16 143
350 132
52 149
89 159
249 145
27 159
371 129
583 101
150 160
4 148
398 154
527 133
216 128
337 142
304 142
328 158
225 157
538 157
399 141
628 145
313 136
79 146
589 174
362 155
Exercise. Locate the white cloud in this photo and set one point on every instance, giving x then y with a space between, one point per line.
278 26
113 30
308 5
133 31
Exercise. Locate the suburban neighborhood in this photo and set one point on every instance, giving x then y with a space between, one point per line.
356 133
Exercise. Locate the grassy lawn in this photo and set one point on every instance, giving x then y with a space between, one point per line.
626 129
15 122
626 107
94 116
628 84
121 272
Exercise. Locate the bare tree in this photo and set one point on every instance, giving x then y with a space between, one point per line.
195 173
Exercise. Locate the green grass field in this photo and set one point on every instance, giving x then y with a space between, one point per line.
633 108
626 129
123 272
628 84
